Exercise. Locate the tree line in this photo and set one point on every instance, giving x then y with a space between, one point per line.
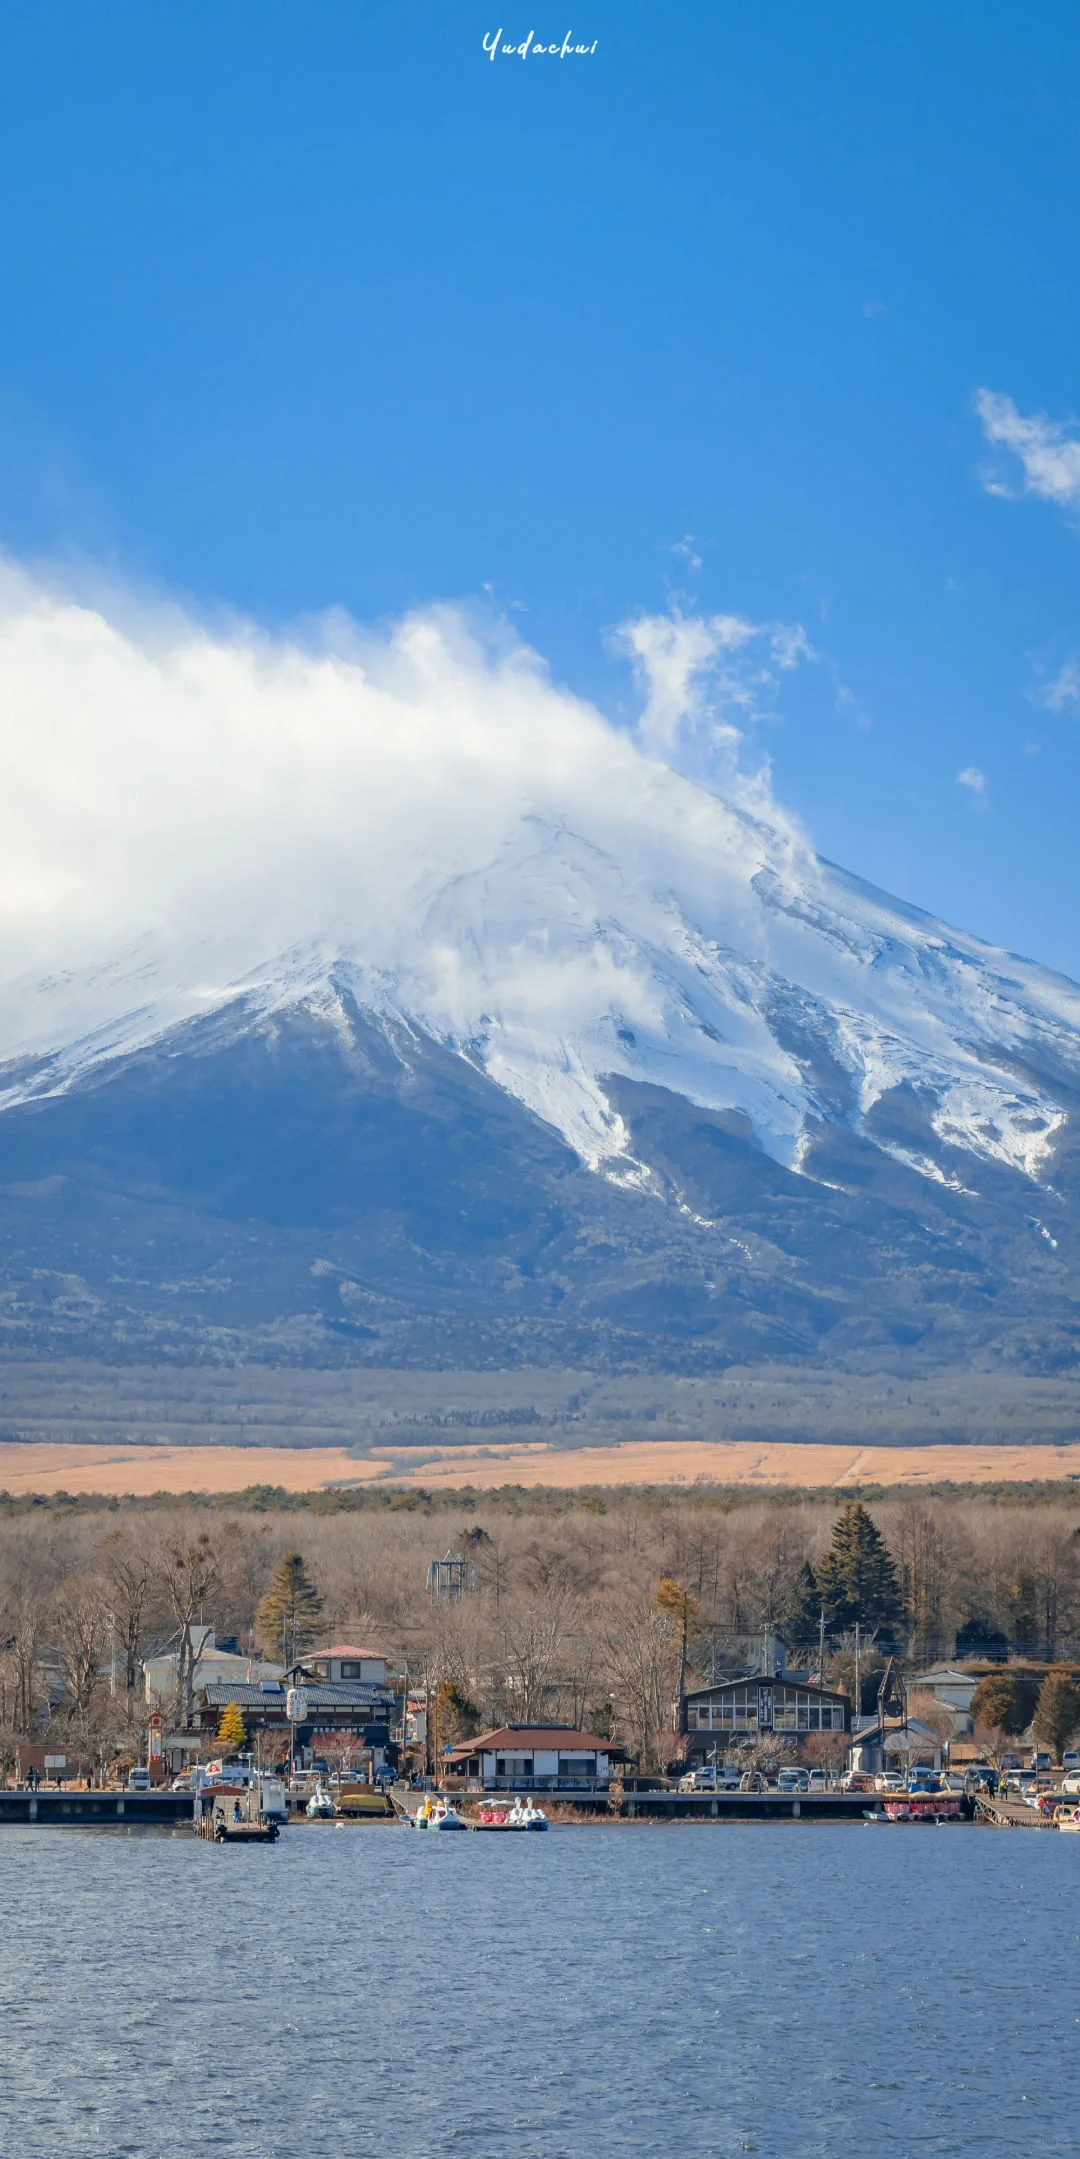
596 1611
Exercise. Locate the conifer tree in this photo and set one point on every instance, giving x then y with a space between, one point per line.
288 1618
232 1731
856 1580
802 1621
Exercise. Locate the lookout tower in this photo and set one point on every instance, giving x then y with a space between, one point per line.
451 1577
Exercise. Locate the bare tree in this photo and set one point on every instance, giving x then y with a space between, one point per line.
79 1622
641 1656
189 1571
533 1635
125 1574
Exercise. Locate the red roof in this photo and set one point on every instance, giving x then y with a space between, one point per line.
528 1738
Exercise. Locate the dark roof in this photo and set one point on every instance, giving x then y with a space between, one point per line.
246 1693
345 1694
763 1679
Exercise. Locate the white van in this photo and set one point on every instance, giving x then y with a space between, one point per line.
138 1779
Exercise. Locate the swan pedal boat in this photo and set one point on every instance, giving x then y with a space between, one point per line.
437 1814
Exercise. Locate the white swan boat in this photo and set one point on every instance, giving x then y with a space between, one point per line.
320 1807
524 1815
437 1814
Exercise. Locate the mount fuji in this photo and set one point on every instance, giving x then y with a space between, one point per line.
649 1088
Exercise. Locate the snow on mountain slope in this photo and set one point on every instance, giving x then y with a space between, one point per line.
688 944
424 823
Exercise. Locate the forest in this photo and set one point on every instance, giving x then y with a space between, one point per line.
582 1606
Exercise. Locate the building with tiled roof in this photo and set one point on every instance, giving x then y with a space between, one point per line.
533 1758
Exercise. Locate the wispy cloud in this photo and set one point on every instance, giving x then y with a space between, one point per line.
705 679
972 778
687 548
1062 692
1049 452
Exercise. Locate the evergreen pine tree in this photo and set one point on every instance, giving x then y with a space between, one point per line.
801 1623
287 1621
232 1731
856 1579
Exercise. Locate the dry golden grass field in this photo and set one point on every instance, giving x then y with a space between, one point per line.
39 1466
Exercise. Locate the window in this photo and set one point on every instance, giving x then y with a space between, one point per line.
351 1670
577 1765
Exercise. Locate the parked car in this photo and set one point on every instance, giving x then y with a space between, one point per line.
857 1780
1070 1759
1042 1761
818 1781
887 1780
698 1780
1071 1783
793 1780
1011 1761
950 1780
138 1779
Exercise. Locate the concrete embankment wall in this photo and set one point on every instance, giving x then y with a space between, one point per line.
84 1809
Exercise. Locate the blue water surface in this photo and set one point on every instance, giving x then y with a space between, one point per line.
679 1989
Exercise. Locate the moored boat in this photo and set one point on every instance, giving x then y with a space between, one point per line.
524 1815
437 1814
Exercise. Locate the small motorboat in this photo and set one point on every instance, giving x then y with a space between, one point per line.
524 1815
320 1807
1067 1818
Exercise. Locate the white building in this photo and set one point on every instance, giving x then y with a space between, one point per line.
533 1758
213 1666
952 1688
342 1664
904 1745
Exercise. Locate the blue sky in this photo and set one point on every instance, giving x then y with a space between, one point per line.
320 306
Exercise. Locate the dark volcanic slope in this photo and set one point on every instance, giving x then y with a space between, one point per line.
297 1191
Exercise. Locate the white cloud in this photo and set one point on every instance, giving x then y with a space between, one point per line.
1062 692
972 778
1049 454
687 548
705 678
163 776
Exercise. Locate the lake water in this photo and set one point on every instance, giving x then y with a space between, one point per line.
666 1990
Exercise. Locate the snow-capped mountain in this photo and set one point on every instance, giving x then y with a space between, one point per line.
652 1087
733 969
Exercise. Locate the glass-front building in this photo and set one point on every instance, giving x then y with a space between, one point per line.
750 1708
